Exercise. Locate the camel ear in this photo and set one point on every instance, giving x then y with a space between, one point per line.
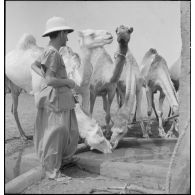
116 29
152 50
131 30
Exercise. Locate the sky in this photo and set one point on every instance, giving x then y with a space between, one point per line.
156 23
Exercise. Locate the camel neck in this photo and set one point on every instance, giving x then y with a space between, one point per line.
119 62
96 53
87 68
123 47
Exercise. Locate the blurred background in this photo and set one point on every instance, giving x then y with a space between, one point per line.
156 23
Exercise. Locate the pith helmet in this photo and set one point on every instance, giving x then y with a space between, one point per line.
56 24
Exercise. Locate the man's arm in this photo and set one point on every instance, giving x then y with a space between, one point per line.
36 66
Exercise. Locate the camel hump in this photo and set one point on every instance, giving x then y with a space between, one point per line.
26 42
159 61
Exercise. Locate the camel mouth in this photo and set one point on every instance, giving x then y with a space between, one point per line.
111 37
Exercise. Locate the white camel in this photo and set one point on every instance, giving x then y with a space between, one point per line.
105 73
129 89
157 78
131 75
154 77
19 75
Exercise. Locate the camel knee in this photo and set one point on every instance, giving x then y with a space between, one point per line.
159 113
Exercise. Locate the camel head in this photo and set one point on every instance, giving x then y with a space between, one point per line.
96 140
123 34
117 135
119 128
94 38
149 56
72 62
91 131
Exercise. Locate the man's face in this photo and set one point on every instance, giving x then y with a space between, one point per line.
64 37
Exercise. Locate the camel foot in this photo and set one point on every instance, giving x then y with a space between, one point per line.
161 132
170 134
148 130
114 145
134 120
145 135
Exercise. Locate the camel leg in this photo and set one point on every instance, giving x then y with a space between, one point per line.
160 113
107 104
118 98
175 125
92 102
170 131
149 95
122 97
169 112
85 93
120 94
111 95
15 94
154 108
135 115
139 93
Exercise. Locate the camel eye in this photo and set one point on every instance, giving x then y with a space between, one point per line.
92 35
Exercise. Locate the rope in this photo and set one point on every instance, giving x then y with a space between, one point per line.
120 54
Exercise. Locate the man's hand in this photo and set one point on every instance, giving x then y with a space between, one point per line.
70 83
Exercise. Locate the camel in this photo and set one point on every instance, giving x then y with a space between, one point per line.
155 72
130 88
131 74
154 77
105 73
89 41
24 77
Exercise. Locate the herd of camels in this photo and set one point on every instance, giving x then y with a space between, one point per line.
97 74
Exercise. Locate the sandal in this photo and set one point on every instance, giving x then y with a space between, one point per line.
61 177
69 162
